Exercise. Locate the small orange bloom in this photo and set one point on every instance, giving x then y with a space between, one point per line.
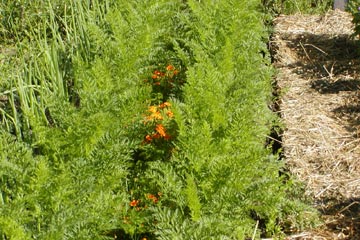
152 109
154 76
153 198
164 105
157 83
150 196
158 116
134 203
148 138
170 114
170 68
158 73
161 130
176 72
155 115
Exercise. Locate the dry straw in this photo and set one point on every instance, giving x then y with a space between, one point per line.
319 84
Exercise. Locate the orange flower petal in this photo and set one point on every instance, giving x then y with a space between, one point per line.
151 196
134 203
157 72
152 109
164 105
170 67
157 115
161 130
170 114
148 138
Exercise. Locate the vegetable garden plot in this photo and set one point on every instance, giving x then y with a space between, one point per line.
142 121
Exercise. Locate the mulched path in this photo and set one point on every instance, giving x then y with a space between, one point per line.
318 63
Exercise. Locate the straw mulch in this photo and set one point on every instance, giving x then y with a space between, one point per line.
318 78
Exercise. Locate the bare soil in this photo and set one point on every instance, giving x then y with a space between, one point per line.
318 63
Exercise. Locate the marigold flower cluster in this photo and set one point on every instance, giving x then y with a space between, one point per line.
165 81
158 75
158 114
153 198
158 128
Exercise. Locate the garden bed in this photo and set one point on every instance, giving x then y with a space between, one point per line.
122 120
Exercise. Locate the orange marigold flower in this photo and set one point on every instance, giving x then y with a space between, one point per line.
148 138
152 109
157 116
134 203
158 73
153 116
170 114
157 83
153 198
161 130
150 196
154 76
176 72
170 67
164 105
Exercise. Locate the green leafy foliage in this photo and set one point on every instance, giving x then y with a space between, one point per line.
276 7
193 199
353 7
139 119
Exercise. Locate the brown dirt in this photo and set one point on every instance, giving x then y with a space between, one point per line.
318 76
